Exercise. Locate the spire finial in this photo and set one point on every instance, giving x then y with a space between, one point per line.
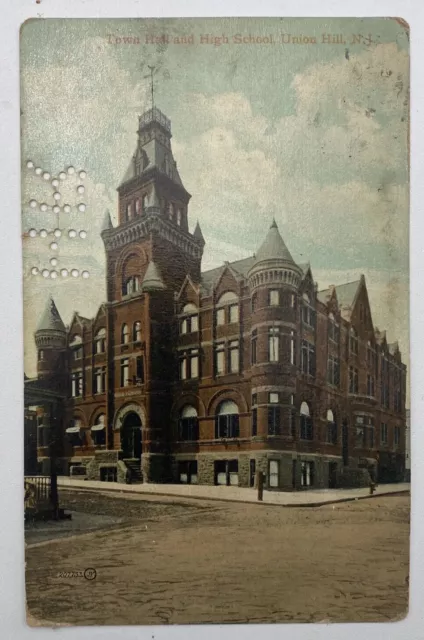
274 224
152 69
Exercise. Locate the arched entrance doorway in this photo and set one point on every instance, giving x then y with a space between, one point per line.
131 436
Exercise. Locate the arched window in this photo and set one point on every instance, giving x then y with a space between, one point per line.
131 285
125 334
144 202
137 331
331 428
227 420
188 423
75 432
98 431
170 208
137 206
100 341
190 321
306 431
179 217
76 346
353 341
227 308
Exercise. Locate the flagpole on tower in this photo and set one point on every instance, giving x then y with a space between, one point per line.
151 85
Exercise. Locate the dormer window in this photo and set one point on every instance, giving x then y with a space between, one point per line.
353 341
333 329
76 346
228 311
190 323
100 341
308 313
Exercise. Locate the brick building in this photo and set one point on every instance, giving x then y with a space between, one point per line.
208 377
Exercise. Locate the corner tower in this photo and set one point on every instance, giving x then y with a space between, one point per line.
50 340
274 279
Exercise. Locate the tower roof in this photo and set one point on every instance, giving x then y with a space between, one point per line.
107 221
51 320
273 247
198 233
152 280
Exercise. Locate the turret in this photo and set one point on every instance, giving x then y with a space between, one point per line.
274 279
50 340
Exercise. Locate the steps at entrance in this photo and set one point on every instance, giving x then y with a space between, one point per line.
133 465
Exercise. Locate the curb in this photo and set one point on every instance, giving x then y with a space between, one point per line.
294 505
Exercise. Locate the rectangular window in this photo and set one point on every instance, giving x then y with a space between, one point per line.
333 371
234 357
125 372
274 298
194 320
184 326
306 430
253 344
308 316
76 384
397 436
227 426
353 380
99 380
370 386
308 358
220 359
274 421
254 301
333 332
383 433
371 436
292 348
274 344
307 474
274 473
189 428
78 353
220 317
254 421
183 368
140 369
194 363
234 313
273 397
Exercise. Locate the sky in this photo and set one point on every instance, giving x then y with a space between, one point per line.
313 134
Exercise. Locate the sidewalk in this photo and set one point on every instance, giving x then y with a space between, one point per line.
311 498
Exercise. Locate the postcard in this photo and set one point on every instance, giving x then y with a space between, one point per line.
215 218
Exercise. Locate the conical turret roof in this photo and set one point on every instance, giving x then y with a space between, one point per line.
198 233
107 221
152 280
51 320
273 247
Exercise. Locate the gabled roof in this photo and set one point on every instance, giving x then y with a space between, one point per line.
211 277
187 280
51 320
345 293
305 266
273 247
